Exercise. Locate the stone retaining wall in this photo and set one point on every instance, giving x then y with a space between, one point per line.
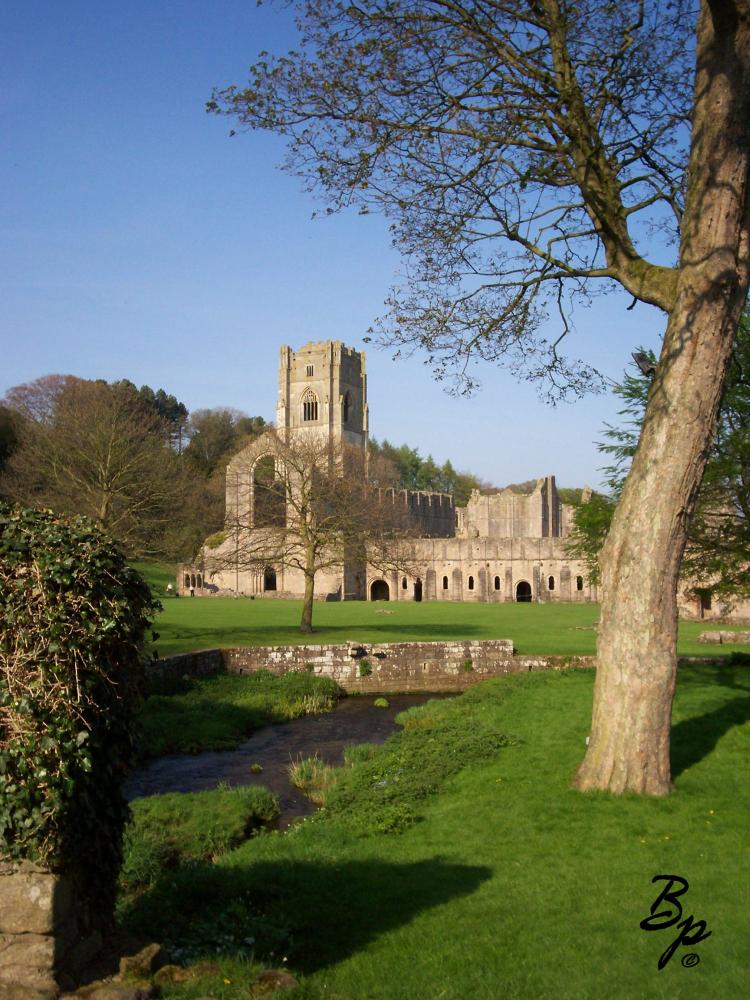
42 941
371 667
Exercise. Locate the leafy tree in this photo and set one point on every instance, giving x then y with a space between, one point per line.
524 151
94 449
166 406
215 435
412 472
718 549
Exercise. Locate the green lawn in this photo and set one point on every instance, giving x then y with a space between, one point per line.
502 882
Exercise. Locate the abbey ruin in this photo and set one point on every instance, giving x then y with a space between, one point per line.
503 546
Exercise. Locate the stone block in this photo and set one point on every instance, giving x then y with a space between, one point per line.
32 900
27 959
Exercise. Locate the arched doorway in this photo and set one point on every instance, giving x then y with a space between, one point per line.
269 578
417 589
523 592
379 591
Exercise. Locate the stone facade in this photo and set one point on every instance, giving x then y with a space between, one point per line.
503 546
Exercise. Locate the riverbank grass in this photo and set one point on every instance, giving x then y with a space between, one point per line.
217 713
499 880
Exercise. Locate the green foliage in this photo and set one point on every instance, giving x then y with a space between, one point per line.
312 776
217 713
365 668
168 830
591 521
417 473
380 703
215 540
467 666
73 616
718 548
382 792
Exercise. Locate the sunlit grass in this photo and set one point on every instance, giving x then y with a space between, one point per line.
502 882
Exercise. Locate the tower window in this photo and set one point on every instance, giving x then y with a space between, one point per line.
497 583
309 370
346 407
445 583
309 405
471 583
551 583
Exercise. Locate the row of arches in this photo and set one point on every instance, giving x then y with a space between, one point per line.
380 589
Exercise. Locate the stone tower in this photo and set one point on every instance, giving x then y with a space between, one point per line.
323 387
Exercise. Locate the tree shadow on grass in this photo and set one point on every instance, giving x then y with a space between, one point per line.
314 913
695 738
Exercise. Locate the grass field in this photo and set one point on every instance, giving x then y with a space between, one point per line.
566 629
497 881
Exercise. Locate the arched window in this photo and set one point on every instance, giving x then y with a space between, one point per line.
199 581
551 583
309 405
269 494
269 578
579 583
497 583
346 407
471 583
187 581
404 584
445 583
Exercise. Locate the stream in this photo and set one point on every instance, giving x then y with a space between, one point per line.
354 720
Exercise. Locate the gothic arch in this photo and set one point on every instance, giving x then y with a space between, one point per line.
309 406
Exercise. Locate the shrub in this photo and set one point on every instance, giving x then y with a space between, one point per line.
365 668
73 616
467 666
381 703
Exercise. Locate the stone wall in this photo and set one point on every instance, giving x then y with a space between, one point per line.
370 667
42 941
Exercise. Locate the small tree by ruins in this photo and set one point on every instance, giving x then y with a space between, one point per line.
311 507
526 152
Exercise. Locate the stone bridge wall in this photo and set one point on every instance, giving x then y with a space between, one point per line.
370 667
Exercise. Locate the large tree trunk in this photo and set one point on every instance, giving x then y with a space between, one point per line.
636 666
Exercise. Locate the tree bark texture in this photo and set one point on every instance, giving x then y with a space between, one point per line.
307 603
636 667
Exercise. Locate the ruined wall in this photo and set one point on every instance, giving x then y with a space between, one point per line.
371 667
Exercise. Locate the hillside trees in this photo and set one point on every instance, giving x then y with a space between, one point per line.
412 472
94 449
525 152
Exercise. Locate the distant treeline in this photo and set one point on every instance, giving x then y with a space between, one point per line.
149 471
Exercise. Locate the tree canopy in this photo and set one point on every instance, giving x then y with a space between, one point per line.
718 550
526 154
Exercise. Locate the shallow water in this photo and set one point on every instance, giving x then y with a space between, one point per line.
354 720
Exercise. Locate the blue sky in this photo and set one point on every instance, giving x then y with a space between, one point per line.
140 241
